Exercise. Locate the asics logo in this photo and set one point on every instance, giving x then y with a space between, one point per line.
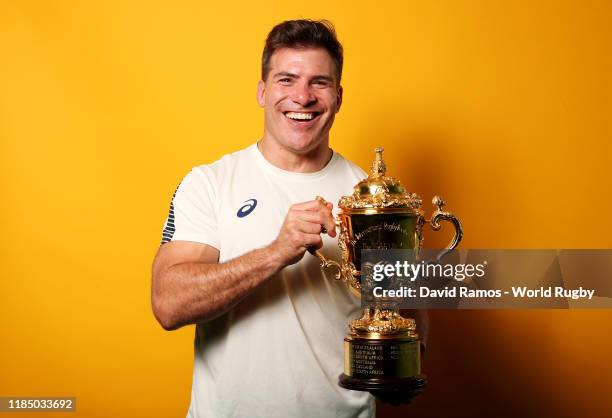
247 208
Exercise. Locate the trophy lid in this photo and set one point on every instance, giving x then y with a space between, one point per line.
379 191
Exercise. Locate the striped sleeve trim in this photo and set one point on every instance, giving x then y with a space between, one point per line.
169 229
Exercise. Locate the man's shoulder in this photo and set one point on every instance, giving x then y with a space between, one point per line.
212 174
350 166
229 159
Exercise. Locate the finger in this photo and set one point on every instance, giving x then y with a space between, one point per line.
310 216
322 218
328 221
313 241
308 227
310 205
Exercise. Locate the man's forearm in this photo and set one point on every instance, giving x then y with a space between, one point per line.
195 291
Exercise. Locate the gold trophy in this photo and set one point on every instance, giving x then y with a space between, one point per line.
382 353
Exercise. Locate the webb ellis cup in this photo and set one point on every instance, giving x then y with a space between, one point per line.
382 351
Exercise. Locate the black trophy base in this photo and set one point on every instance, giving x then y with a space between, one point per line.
389 368
391 391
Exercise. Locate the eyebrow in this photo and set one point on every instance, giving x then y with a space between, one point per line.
324 77
285 74
291 75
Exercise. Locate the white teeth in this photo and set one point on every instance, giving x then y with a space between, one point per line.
300 116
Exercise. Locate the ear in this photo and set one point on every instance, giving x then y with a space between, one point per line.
339 99
261 93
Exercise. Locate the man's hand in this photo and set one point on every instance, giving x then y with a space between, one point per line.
302 229
190 286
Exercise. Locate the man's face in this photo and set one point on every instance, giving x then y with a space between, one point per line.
300 97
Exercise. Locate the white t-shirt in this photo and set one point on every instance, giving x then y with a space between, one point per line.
279 352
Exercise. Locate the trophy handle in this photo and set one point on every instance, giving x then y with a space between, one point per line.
440 215
327 263
346 271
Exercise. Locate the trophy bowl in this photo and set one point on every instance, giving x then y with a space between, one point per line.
382 352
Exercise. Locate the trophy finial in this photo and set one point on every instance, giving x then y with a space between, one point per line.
438 202
378 166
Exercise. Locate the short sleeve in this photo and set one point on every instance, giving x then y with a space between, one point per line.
193 214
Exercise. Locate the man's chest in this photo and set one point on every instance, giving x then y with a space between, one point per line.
251 217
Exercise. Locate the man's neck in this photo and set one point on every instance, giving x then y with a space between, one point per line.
288 160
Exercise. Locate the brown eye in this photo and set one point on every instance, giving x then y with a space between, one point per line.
321 83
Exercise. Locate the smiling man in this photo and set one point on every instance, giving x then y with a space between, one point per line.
301 94
269 322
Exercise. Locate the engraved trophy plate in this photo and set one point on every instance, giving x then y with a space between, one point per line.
382 352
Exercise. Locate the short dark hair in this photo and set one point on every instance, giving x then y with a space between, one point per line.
303 33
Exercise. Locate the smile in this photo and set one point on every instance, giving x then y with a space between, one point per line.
301 116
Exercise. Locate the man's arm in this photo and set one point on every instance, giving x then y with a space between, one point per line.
189 285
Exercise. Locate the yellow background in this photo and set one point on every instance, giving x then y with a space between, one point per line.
501 107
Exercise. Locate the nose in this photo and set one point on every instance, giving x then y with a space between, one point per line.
303 95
